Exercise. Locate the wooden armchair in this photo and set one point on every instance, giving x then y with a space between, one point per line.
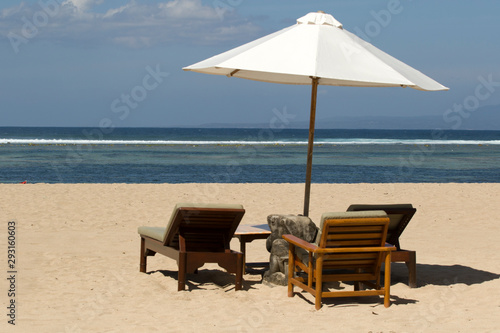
196 234
350 246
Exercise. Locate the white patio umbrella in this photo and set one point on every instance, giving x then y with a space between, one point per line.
316 50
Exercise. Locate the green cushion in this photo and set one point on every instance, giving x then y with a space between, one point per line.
157 233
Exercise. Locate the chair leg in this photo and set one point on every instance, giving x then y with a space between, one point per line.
143 262
310 272
412 269
319 282
291 268
181 283
387 280
410 260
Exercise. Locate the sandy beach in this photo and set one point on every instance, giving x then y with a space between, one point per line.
77 261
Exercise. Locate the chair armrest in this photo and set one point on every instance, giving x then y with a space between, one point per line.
300 243
355 249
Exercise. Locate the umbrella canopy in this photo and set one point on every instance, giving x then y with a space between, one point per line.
316 50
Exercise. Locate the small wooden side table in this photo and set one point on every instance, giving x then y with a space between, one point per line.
248 233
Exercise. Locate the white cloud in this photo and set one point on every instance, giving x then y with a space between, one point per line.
186 9
132 25
83 5
115 11
8 12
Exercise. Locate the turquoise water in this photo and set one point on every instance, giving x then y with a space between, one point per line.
141 155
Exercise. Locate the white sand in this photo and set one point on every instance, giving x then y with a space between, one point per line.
78 261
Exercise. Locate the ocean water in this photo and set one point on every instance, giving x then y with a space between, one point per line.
185 155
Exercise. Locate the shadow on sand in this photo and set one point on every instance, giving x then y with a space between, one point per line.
206 277
439 275
442 275
427 274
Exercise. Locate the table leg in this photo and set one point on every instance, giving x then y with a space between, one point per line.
243 250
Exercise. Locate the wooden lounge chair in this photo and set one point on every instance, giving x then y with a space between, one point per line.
196 234
350 246
400 215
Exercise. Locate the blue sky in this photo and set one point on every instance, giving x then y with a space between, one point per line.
119 63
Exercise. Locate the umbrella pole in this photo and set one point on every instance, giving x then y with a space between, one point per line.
310 144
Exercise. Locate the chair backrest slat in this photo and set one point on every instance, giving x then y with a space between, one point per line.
344 236
349 256
354 243
347 229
